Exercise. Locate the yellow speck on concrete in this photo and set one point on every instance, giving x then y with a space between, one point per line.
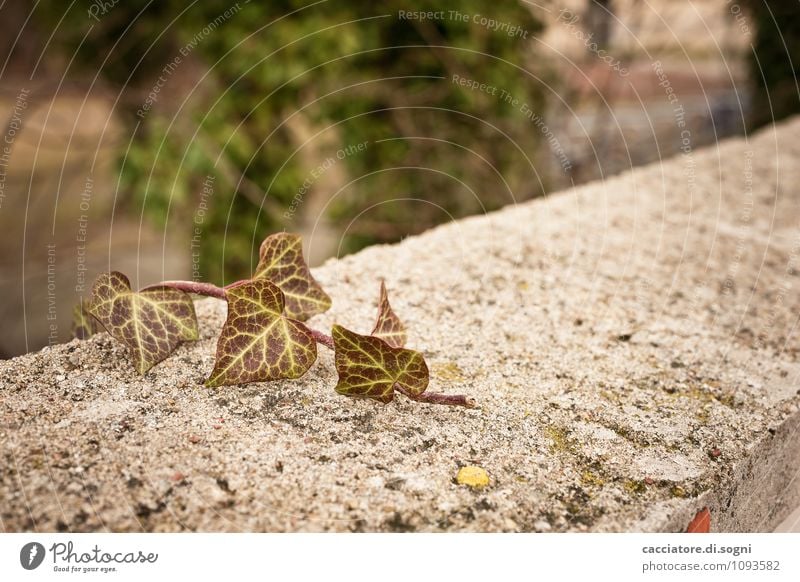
472 476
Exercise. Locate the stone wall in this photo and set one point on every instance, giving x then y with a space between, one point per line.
631 343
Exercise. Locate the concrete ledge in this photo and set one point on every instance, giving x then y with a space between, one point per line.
632 344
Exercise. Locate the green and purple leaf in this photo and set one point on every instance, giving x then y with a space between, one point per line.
258 342
388 326
84 325
152 322
369 367
281 262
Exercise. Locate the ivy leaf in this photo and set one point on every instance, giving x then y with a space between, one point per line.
151 322
281 262
388 326
258 343
369 367
84 325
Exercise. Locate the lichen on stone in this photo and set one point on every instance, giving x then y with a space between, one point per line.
473 476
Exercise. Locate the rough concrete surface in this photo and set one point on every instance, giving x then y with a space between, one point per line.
632 344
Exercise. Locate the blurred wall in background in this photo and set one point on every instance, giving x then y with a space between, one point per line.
166 139
58 164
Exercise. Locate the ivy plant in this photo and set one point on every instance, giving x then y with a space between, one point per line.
265 336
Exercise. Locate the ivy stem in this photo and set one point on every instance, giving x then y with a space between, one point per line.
197 288
210 290
438 398
321 338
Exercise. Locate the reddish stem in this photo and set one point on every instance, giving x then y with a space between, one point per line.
210 290
439 398
197 288
321 338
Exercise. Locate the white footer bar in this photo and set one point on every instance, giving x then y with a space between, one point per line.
386 557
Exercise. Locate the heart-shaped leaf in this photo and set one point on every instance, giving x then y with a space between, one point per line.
258 343
84 325
281 262
370 368
388 326
151 322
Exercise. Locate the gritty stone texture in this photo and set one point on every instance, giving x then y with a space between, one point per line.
632 345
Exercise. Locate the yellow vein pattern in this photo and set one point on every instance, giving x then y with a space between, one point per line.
258 343
281 262
84 325
369 367
152 322
388 326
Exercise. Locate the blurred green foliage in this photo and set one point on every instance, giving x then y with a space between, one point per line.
263 93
